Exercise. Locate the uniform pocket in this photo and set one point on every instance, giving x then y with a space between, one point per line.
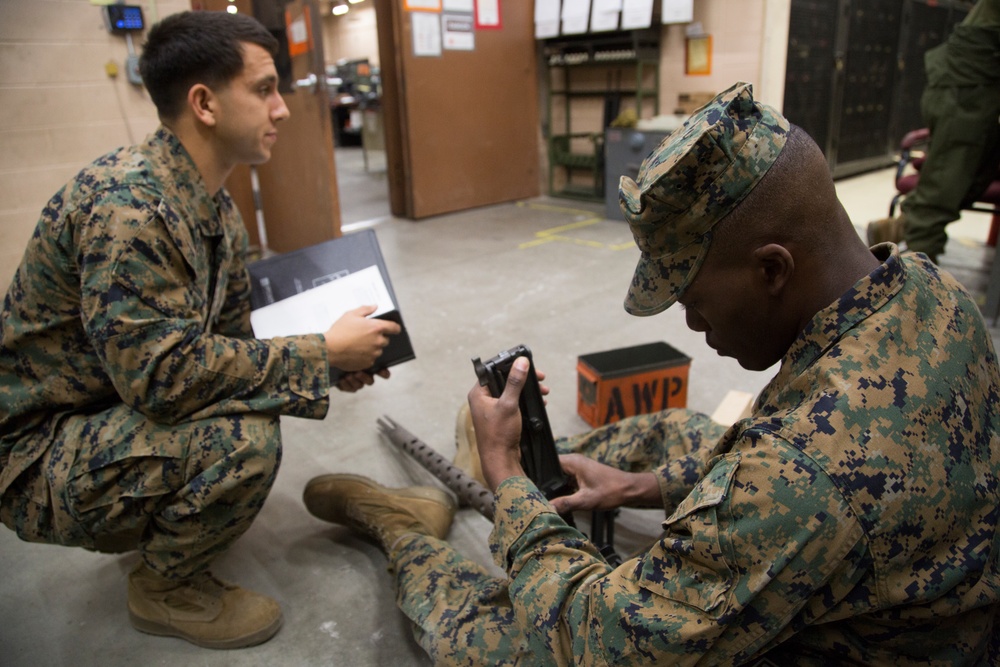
144 460
691 563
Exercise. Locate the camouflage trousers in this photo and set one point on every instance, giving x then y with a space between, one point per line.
115 481
461 613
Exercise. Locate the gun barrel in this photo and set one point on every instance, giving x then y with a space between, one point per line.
469 491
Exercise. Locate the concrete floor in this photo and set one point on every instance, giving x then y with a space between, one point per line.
548 273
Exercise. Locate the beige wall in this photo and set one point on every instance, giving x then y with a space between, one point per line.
352 36
59 109
747 45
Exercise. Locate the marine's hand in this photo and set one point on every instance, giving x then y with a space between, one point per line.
497 422
544 389
355 341
601 487
351 382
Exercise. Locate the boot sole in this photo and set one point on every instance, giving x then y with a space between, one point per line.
163 630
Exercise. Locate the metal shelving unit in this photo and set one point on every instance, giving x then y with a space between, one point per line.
590 71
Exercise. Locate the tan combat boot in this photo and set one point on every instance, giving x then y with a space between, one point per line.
203 610
886 230
376 511
466 450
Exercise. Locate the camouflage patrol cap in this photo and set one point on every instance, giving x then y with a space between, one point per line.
696 177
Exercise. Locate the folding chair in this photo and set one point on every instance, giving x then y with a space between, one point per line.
912 154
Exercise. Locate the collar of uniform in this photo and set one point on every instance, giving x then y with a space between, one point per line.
184 177
865 297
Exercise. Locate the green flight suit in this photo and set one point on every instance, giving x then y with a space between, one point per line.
961 107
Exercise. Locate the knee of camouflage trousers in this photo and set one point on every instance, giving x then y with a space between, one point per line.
645 441
115 481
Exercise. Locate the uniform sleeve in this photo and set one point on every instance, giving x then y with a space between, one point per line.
234 320
760 541
676 478
145 308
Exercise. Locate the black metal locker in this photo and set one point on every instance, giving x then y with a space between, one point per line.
854 73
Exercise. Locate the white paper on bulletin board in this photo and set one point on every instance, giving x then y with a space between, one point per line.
677 11
546 18
458 5
575 15
426 34
604 15
637 14
458 32
422 5
488 14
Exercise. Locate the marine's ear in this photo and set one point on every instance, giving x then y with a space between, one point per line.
775 266
203 104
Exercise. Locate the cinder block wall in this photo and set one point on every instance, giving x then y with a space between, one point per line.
738 32
59 109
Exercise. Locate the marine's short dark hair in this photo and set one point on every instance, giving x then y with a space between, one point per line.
196 47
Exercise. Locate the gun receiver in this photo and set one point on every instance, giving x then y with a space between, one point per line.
539 457
538 449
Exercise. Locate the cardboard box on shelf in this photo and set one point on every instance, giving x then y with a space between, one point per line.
688 103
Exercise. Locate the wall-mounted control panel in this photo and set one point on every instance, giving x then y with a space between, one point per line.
121 19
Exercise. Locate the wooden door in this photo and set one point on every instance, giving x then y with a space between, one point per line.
461 128
298 185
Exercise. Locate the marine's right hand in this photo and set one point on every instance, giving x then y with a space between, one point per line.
355 341
601 487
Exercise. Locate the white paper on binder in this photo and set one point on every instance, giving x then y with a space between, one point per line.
314 310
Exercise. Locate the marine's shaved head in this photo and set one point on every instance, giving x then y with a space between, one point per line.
794 204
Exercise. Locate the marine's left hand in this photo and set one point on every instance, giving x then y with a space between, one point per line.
355 380
601 487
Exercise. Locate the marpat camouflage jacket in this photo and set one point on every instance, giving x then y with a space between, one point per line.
851 519
134 289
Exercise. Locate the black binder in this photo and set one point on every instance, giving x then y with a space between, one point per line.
282 276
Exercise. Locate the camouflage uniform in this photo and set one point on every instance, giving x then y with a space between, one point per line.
136 408
852 518
961 106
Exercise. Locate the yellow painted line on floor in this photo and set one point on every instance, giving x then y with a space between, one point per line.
553 207
556 234
563 239
573 225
